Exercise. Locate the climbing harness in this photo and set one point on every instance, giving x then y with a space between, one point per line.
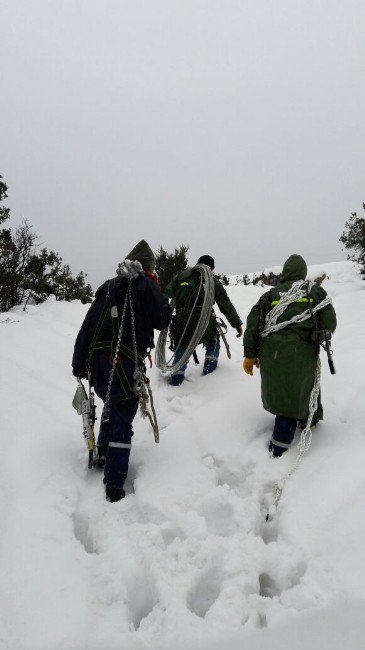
206 285
297 292
85 406
141 384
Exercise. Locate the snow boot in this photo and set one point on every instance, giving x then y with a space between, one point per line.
210 366
276 451
114 494
177 379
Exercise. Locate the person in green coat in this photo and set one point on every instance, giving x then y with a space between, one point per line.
287 358
184 288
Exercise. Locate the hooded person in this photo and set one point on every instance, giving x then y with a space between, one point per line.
287 358
143 253
95 349
184 289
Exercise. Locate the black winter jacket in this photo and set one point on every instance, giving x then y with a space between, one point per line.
98 331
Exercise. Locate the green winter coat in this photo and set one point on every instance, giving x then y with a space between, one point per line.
288 358
184 288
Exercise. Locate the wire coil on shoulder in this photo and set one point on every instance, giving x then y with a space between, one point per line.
207 285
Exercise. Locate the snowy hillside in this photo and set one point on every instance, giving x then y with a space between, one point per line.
186 560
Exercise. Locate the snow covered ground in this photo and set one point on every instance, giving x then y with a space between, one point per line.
186 560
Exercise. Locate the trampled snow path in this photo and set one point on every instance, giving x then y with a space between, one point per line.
187 558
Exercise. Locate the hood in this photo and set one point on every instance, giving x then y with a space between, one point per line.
294 268
143 254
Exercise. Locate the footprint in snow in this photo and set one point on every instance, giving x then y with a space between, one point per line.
170 532
205 593
269 587
233 477
218 515
82 531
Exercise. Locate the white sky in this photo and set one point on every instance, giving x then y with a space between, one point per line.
234 126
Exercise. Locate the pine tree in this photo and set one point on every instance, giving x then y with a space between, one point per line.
169 264
353 238
4 212
26 274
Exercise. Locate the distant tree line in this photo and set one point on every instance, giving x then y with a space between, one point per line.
353 238
271 279
169 264
31 275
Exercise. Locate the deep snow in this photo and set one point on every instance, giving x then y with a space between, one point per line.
186 560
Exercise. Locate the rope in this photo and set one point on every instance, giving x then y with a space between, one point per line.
207 284
297 291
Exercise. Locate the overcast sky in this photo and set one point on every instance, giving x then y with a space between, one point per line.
234 126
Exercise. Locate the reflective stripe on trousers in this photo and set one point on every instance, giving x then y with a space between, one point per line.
284 432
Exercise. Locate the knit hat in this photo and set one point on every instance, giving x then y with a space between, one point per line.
206 259
143 254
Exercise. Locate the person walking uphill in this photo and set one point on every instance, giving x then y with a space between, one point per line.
184 288
95 352
287 357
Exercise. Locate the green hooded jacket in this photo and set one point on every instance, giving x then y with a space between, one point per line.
288 358
184 288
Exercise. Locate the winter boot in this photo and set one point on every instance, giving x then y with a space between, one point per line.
209 366
113 493
177 379
276 451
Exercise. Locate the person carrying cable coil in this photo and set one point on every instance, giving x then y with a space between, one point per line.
95 351
282 339
184 289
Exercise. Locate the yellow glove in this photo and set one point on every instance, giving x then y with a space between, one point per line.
248 365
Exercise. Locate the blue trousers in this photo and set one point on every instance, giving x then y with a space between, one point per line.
210 362
283 434
115 437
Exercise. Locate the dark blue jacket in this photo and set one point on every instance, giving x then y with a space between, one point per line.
99 330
